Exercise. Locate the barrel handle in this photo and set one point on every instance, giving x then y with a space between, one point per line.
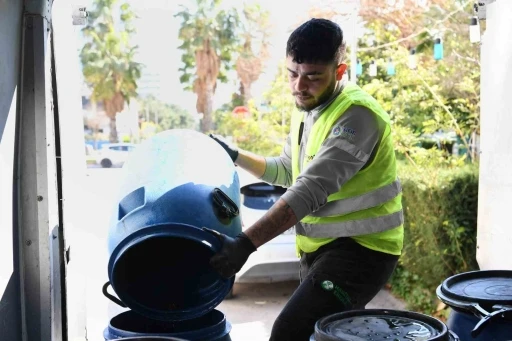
503 310
226 206
454 337
112 297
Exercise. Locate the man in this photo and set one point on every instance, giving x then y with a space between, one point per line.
343 195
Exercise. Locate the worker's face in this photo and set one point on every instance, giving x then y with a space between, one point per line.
313 84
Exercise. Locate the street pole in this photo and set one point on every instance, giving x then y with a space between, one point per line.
353 45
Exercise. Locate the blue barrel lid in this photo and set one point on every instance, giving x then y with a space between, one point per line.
380 325
485 287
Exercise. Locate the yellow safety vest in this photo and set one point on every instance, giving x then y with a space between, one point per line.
368 207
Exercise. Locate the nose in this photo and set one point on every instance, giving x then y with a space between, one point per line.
300 84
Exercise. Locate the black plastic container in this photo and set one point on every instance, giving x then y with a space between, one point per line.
381 325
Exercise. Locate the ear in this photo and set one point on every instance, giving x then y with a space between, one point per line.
340 71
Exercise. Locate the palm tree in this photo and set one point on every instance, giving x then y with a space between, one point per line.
255 32
108 58
209 41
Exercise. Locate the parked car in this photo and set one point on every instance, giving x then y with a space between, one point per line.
114 154
276 260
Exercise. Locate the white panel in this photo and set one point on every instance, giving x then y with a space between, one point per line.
495 188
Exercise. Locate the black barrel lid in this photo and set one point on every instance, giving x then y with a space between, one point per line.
380 325
485 287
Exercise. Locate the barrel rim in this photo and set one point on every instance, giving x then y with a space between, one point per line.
431 321
163 338
219 329
448 296
178 230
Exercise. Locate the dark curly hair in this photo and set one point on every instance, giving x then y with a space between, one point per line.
316 41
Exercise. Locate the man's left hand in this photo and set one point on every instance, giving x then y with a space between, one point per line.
233 254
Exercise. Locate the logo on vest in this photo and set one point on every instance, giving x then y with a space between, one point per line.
345 132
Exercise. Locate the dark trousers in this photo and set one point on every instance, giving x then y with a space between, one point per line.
339 276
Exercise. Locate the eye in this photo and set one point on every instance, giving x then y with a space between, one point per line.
292 75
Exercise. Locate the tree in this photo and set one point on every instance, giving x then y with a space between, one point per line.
209 41
165 116
108 57
438 94
255 30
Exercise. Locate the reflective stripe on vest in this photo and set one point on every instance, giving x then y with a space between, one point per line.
352 227
362 202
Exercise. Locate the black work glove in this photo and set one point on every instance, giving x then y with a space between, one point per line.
230 149
233 254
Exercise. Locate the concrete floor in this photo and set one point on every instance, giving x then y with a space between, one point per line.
255 307
252 311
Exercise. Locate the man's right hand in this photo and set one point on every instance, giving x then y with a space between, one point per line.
233 254
230 149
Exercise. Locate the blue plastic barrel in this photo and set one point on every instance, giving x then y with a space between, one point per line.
481 303
463 324
211 327
149 338
171 186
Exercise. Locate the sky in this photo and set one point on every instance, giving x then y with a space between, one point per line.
157 38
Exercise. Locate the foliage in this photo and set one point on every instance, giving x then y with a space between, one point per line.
253 53
108 58
209 40
440 207
438 95
165 116
264 131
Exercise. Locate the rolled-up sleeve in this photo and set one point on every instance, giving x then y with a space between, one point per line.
345 152
279 169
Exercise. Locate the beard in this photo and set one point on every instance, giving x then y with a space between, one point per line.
315 102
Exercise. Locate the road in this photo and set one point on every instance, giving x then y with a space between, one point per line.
251 312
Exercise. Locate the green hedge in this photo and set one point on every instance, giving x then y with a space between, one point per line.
440 207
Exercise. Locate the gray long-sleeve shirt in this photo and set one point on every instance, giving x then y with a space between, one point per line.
339 158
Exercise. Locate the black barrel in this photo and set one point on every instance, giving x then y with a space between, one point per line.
481 303
381 325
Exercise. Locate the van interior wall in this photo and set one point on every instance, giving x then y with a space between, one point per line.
28 308
495 183
10 38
